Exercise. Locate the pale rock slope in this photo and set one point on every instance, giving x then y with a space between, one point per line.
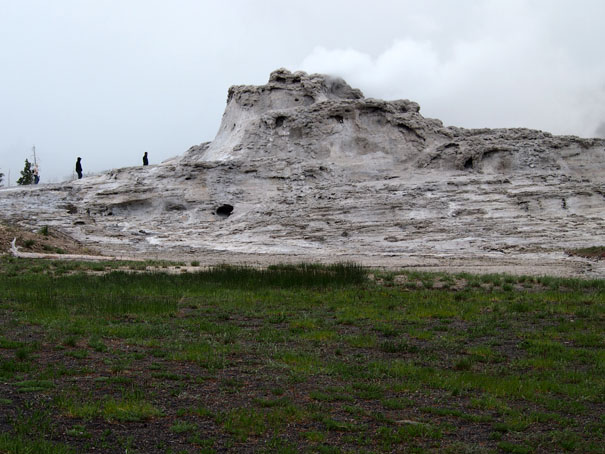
305 168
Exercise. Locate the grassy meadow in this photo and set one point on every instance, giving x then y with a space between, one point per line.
108 358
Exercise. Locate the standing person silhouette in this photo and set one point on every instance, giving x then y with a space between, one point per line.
145 160
79 168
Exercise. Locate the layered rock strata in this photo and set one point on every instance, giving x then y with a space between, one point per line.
307 168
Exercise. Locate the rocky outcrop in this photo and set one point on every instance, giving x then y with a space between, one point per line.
307 168
297 118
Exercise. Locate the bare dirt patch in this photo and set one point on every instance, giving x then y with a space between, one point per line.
46 240
594 252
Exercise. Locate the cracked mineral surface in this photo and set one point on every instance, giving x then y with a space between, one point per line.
305 168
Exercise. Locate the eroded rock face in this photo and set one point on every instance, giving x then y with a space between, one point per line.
306 168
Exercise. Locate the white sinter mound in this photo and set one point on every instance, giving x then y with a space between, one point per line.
307 169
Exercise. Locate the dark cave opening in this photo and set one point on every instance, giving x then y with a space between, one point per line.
224 211
468 164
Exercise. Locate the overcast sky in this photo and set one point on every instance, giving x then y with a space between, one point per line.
110 79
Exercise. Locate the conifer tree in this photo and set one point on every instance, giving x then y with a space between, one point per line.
27 174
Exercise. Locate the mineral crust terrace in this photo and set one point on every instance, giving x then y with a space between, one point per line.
305 168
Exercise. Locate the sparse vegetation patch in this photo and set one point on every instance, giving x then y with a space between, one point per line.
297 358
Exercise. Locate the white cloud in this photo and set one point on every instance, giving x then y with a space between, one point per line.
511 74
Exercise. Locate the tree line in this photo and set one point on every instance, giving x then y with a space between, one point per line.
27 174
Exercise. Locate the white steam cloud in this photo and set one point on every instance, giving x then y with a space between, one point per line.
499 79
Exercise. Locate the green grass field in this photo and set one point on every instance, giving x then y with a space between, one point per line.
297 359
